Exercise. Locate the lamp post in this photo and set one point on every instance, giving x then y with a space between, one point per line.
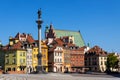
39 56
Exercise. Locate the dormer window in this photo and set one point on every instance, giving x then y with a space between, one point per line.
35 44
22 47
63 40
66 46
71 41
71 47
9 47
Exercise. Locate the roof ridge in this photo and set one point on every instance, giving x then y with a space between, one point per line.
66 30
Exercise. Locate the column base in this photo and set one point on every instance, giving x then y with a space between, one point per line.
39 70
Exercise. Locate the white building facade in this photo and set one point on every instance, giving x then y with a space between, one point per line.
58 59
29 60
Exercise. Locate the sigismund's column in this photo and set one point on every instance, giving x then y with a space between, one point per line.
39 56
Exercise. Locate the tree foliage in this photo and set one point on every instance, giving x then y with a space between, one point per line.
112 61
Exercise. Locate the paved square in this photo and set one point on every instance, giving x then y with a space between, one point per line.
56 76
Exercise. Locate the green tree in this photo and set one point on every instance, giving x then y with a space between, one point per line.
112 61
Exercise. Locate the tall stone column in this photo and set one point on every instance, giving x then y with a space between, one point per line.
39 56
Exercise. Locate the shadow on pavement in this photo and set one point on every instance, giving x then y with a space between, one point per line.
115 74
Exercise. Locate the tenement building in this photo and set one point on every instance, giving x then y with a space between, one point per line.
64 56
20 54
77 59
95 59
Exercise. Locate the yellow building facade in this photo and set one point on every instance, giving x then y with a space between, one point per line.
15 60
34 58
44 51
44 56
15 56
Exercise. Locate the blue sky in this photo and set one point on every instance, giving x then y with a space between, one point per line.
98 20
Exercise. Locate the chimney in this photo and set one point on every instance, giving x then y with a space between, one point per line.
10 41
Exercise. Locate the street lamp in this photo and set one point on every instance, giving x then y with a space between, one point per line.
39 56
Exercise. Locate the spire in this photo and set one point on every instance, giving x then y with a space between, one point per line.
46 31
51 26
88 44
46 28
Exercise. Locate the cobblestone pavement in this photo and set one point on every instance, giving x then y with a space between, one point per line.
56 76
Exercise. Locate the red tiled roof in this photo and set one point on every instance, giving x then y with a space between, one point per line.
77 50
69 45
30 39
13 47
17 45
97 50
52 49
59 42
56 42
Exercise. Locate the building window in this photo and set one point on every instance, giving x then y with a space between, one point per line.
35 55
56 54
23 53
81 62
14 54
6 55
44 51
13 69
105 58
89 59
95 58
30 57
101 63
21 60
55 60
9 69
7 61
20 53
14 61
44 61
95 68
44 56
105 62
60 54
60 60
